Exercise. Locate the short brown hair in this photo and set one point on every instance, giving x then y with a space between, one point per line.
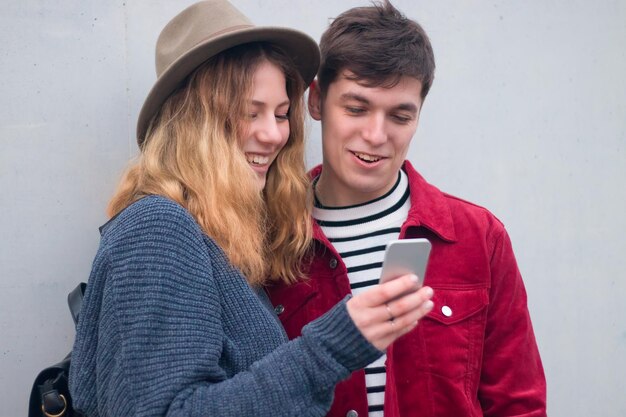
379 45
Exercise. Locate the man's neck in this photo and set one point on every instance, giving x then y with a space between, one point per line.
329 194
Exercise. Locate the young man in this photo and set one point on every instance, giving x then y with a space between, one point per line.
475 354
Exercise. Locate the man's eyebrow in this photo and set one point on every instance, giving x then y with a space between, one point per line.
354 96
410 107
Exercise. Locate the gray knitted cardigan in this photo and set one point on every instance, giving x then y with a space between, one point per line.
169 327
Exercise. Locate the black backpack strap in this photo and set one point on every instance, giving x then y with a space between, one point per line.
50 395
53 403
75 301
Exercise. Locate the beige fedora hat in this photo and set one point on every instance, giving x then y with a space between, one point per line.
205 29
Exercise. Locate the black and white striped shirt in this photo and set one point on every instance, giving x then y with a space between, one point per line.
359 234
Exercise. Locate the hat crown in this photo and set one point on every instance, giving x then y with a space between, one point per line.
194 25
202 31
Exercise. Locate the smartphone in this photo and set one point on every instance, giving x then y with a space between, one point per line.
405 256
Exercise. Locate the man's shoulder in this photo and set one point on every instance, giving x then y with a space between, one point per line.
461 206
436 204
473 221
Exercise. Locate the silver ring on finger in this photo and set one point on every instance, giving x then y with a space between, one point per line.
392 318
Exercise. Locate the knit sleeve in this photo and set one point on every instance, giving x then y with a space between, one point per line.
296 379
161 336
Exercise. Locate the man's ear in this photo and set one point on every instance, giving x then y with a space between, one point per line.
315 101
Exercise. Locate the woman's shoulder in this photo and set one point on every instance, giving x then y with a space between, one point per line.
152 210
156 207
152 218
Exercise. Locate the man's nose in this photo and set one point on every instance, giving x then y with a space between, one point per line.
375 132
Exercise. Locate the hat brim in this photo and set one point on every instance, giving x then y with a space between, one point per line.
302 49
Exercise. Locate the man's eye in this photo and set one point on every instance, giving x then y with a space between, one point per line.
402 119
355 110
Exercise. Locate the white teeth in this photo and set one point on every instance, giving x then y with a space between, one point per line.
257 159
366 157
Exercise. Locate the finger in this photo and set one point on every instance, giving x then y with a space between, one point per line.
408 302
412 317
402 331
400 306
405 321
389 313
387 291
389 331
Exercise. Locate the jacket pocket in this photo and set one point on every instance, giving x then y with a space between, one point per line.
454 306
451 336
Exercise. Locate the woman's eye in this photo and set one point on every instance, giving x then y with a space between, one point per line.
281 117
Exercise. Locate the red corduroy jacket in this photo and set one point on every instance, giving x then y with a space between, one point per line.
475 357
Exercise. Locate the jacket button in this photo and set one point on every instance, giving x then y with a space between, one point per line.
446 311
279 309
333 265
352 413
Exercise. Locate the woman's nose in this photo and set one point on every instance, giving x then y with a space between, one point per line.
269 131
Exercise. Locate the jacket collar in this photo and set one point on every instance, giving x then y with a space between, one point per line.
429 207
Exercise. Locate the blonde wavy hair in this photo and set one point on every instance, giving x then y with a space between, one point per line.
192 155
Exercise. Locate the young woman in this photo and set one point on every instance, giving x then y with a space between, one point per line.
175 321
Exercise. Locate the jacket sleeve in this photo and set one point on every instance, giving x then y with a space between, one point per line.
163 306
512 379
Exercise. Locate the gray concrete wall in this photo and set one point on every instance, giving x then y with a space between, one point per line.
527 116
